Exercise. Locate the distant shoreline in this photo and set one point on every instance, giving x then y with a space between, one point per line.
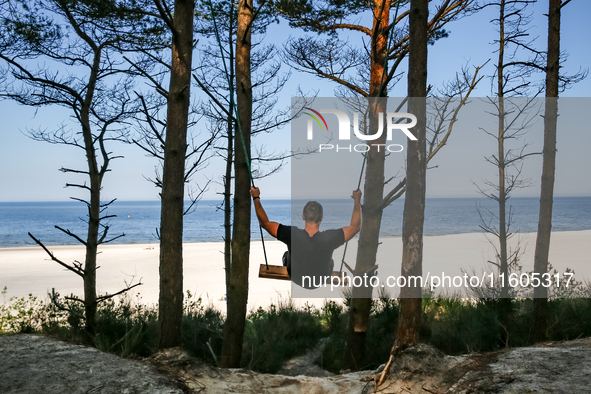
140 220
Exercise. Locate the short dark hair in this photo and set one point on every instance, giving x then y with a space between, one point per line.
313 212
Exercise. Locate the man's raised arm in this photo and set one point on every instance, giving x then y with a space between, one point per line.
353 228
270 227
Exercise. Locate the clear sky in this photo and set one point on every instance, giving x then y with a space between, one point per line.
29 169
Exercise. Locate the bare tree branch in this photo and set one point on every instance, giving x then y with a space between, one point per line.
106 297
75 270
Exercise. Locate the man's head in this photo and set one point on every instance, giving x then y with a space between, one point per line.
313 212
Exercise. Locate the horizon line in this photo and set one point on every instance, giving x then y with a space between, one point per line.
296 199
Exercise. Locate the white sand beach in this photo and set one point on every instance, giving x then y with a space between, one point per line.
29 271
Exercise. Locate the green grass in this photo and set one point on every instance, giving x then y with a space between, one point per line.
202 330
382 325
280 332
126 328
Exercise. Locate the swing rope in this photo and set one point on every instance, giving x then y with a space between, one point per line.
235 109
238 126
379 93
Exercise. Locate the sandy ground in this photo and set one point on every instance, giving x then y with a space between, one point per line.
38 364
28 270
31 364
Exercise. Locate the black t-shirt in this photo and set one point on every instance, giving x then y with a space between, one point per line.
310 256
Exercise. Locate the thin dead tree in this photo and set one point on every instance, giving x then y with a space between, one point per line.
518 116
66 54
513 77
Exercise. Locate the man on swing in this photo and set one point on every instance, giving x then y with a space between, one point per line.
312 248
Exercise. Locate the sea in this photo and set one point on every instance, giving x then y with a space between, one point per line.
139 220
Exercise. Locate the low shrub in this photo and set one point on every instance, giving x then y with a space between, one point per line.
127 327
202 330
278 333
25 314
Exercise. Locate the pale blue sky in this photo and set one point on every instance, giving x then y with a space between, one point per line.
29 169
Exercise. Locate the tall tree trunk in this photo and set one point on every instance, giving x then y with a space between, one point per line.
228 203
229 163
238 289
90 304
548 168
409 318
504 302
94 206
373 192
501 151
170 311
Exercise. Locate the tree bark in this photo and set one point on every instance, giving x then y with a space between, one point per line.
229 164
501 151
238 289
170 311
228 203
409 318
373 192
90 303
540 311
94 206
504 302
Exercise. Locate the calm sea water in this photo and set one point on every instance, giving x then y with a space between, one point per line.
139 220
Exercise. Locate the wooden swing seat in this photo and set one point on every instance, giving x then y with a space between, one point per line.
274 272
280 272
